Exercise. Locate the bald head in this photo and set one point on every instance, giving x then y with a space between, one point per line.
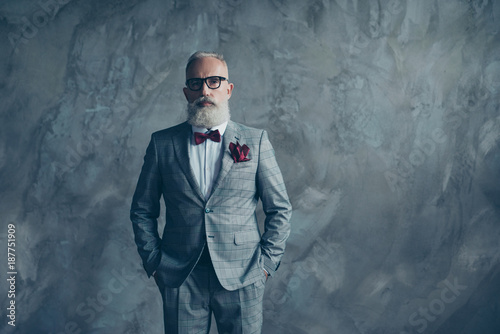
198 55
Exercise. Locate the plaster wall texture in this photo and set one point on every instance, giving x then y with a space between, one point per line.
384 116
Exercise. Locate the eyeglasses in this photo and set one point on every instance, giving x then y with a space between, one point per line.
196 84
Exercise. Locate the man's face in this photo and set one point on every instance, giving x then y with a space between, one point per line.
204 68
208 107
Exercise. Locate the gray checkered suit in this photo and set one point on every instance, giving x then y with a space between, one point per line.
226 222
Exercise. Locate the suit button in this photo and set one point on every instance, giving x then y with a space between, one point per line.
207 210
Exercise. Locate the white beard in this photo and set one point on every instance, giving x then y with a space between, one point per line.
210 116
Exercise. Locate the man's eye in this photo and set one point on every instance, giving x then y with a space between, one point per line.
195 83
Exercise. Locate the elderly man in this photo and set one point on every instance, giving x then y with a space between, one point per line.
211 172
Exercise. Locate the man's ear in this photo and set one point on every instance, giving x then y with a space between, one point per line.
230 90
185 90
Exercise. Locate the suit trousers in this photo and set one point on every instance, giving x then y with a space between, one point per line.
189 308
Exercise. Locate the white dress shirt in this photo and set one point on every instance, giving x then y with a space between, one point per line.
206 158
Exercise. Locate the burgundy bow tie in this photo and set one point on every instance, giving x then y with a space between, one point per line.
201 137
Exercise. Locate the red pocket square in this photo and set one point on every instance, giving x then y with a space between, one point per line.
238 152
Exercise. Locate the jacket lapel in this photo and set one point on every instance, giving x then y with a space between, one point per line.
181 141
230 135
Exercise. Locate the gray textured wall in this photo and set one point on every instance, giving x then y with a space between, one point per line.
385 120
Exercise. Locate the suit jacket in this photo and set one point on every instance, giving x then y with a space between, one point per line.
226 222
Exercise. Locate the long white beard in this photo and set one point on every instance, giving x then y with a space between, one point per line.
210 116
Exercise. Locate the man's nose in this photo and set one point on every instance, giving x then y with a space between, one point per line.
205 91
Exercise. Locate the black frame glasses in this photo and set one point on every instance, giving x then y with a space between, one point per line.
196 84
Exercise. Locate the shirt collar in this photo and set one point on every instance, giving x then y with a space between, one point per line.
221 128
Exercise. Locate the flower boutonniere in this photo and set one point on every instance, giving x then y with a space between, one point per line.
238 152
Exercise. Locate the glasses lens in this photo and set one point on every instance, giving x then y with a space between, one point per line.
194 84
213 82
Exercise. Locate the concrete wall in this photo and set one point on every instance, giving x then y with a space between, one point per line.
385 120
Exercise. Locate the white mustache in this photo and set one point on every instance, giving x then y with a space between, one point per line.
202 99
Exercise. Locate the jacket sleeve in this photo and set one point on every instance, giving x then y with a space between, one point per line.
145 210
276 205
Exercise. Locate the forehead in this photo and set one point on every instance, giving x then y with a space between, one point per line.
206 67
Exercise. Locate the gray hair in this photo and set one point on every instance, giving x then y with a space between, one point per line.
204 54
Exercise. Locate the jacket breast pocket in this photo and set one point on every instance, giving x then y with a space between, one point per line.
245 165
